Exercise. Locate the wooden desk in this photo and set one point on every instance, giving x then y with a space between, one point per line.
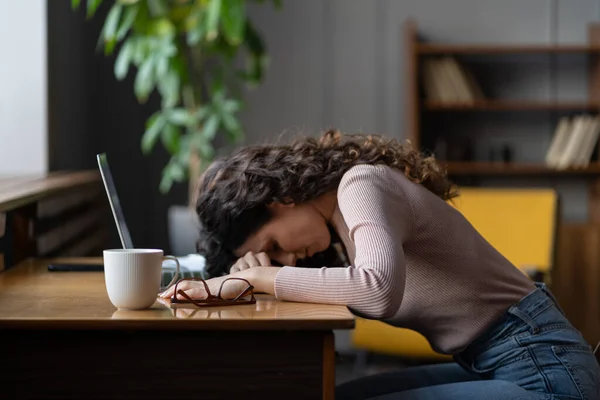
57 214
62 338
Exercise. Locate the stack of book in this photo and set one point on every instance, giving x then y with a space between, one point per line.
447 81
574 141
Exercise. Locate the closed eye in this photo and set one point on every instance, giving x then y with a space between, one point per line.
272 247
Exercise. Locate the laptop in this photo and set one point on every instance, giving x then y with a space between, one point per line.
192 265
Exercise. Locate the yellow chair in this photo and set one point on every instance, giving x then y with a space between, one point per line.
520 223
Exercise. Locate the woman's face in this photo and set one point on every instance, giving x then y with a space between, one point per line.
294 232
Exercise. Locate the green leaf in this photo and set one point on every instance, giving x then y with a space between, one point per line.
162 67
170 138
75 4
278 3
173 172
202 113
168 87
256 69
183 155
154 126
233 18
177 171
123 60
253 40
166 182
138 45
258 60
144 80
195 35
157 7
232 127
231 106
109 46
112 22
204 147
211 126
161 27
181 116
92 6
140 24
212 19
230 122
127 21
195 26
167 48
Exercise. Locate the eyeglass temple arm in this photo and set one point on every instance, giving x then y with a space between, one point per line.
250 288
176 292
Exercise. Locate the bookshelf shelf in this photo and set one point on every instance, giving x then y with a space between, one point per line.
498 168
511 105
440 49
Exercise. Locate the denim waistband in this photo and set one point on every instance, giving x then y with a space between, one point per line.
533 304
523 312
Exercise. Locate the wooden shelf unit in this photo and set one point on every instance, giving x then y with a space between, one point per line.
418 108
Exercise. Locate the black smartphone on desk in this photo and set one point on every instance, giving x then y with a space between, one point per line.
76 267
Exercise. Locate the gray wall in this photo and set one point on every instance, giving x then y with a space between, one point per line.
339 63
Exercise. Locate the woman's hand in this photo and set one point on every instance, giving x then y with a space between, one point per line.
197 291
251 260
262 278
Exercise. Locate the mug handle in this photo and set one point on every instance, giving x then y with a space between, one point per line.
177 271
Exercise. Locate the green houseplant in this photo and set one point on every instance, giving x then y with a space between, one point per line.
196 54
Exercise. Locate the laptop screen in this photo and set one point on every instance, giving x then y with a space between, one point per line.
113 199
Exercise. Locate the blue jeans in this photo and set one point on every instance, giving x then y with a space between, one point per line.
532 352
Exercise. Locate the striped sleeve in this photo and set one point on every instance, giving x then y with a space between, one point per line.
379 221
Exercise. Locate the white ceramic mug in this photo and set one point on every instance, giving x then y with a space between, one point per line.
133 276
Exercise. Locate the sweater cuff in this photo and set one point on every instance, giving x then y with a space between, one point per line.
285 286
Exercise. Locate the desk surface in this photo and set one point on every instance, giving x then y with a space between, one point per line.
33 298
19 190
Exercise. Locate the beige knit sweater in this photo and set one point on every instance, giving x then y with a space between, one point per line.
416 262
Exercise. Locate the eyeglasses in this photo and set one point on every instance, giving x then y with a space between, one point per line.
245 297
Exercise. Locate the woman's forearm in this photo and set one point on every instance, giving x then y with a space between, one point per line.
262 278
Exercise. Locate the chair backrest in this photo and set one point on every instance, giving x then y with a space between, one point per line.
520 223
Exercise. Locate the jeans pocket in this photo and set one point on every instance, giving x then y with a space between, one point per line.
582 368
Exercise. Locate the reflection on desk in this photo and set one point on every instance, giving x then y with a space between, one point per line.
266 308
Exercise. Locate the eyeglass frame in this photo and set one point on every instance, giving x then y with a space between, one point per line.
211 300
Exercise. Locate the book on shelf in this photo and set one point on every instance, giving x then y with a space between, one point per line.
574 141
445 80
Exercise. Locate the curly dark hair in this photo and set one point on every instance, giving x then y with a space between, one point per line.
234 192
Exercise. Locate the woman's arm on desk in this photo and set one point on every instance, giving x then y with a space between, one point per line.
262 278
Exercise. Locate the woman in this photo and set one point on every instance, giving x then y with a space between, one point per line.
414 262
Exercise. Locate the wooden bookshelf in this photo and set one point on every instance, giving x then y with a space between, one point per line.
431 117
511 105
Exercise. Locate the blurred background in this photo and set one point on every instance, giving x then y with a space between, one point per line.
505 93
